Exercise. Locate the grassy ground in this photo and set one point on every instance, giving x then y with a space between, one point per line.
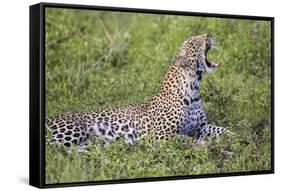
97 60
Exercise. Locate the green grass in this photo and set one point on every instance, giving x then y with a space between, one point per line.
99 60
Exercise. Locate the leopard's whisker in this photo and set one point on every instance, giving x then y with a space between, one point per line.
215 42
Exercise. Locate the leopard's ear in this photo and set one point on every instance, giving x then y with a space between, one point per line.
180 61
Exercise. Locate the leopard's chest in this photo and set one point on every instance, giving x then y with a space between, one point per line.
191 118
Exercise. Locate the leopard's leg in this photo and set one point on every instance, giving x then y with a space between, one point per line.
211 131
124 129
103 130
129 133
131 137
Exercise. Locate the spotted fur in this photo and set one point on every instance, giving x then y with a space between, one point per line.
175 109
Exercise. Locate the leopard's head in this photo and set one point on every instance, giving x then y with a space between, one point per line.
194 51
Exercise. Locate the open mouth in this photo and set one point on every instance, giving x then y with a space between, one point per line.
210 64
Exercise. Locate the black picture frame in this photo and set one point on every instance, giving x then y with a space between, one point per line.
37 93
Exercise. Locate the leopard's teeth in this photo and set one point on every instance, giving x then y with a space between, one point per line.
214 64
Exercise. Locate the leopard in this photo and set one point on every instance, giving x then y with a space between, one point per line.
175 109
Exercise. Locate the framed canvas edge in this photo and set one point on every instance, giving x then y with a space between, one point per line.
37 94
155 11
158 179
35 108
272 95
